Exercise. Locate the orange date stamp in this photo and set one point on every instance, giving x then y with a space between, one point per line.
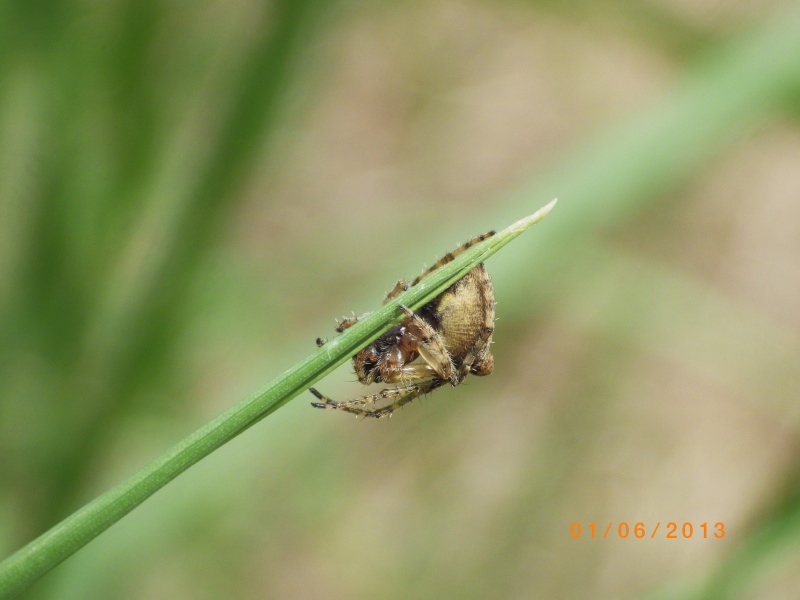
668 531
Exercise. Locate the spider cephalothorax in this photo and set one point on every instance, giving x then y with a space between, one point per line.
443 342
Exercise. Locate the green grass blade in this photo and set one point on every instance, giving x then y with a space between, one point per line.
34 560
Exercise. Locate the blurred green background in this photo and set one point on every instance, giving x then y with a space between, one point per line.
191 192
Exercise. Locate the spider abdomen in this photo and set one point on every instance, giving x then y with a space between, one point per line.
463 310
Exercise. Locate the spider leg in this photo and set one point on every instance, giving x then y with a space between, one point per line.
430 345
413 392
414 373
451 255
346 404
363 400
478 360
402 396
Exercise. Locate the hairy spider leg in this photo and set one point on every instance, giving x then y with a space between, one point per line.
402 395
402 285
478 361
451 255
430 345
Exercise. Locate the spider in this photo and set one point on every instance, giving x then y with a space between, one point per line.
450 335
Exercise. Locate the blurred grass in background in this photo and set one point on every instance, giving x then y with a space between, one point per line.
189 193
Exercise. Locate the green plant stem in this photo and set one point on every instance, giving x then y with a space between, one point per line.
45 552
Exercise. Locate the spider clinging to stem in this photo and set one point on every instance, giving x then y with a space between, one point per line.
443 342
